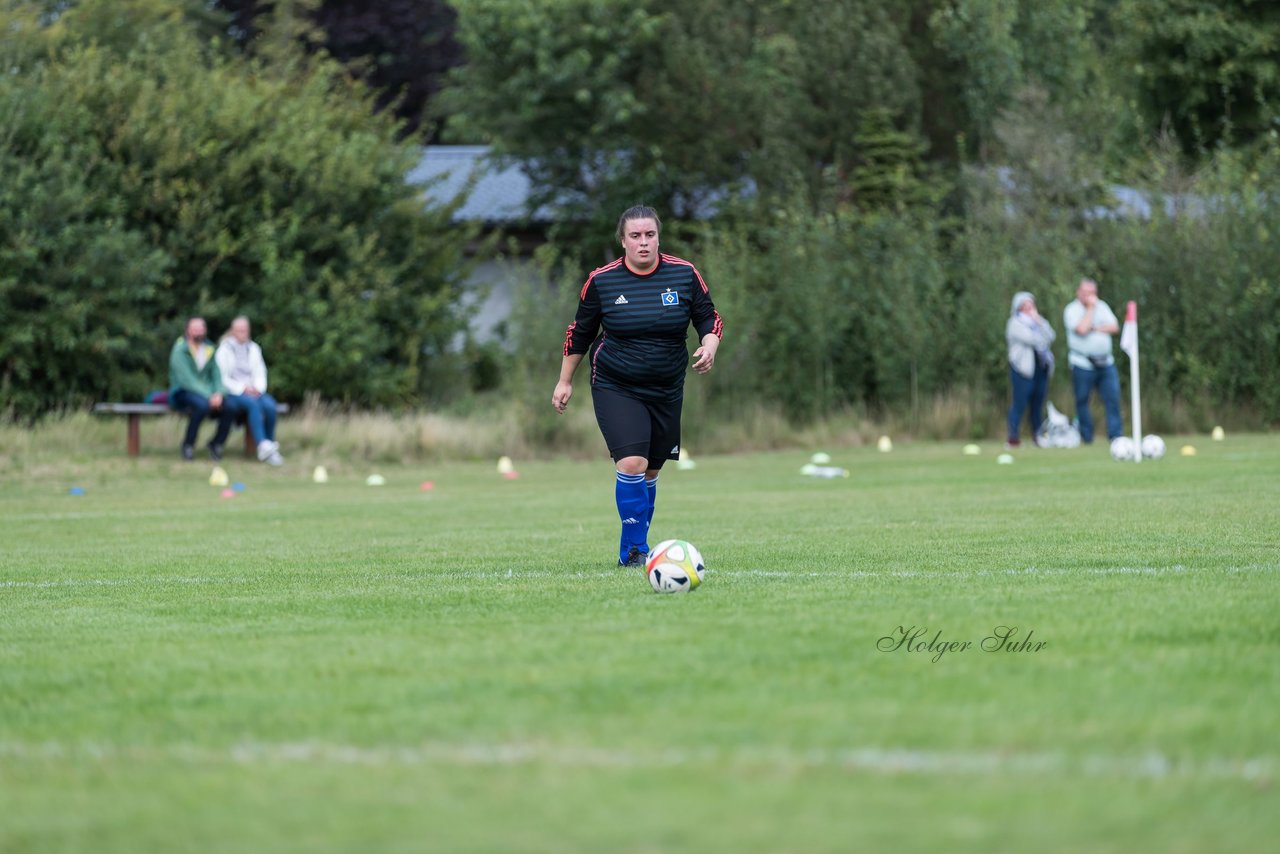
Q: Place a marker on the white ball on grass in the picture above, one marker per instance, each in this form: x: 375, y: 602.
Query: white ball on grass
x: 675, y: 566
x: 1123, y: 449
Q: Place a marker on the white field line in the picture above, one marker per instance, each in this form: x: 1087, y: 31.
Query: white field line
x: 428, y: 575
x: 879, y: 760
x: 1030, y: 571
x: 118, y: 582
x: 158, y: 512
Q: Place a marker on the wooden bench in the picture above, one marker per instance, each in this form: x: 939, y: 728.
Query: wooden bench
x: 135, y: 411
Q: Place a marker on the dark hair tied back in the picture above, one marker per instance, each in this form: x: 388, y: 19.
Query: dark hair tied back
x: 637, y: 212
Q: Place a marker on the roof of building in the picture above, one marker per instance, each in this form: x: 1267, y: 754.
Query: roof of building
x: 500, y: 193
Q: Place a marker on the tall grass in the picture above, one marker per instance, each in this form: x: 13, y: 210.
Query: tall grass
x: 312, y: 434
x: 316, y: 433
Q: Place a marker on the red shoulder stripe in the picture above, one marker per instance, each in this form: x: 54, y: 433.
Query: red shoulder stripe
x: 672, y: 259
x: 592, y: 275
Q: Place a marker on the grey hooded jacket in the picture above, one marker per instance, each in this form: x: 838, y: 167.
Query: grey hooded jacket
x: 1024, y: 339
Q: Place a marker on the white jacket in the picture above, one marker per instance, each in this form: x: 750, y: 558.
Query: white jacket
x: 231, y: 381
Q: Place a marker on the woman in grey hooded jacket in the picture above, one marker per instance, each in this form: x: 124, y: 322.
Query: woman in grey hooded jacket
x: 1030, y: 363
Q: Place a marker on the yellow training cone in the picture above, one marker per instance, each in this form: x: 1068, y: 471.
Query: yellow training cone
x: 505, y: 466
x: 685, y: 462
x: 1219, y: 434
x: 320, y: 475
x: 1188, y: 451
x: 218, y: 477
x: 885, y: 444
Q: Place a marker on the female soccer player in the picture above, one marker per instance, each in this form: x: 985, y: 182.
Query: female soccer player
x: 644, y: 303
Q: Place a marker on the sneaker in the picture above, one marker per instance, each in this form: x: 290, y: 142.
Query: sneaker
x: 215, y: 451
x: 266, y: 448
x: 635, y: 558
x: 188, y: 452
x: 275, y: 459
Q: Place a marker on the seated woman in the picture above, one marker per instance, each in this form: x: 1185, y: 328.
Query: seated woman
x: 244, y: 381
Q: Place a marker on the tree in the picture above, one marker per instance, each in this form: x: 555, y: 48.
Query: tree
x: 163, y: 177
x: 890, y: 172
x: 606, y: 103
x: 400, y: 48
x: 979, y: 35
x: 1001, y: 48
x: 1211, y: 70
x: 558, y: 87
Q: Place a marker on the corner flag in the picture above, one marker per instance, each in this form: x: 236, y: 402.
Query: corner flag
x: 1129, y: 334
x: 1129, y: 344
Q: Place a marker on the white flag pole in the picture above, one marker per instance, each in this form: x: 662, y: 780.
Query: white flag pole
x: 1129, y: 343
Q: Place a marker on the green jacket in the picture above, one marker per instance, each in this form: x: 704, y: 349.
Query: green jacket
x: 184, y: 374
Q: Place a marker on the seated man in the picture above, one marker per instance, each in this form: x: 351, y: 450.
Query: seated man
x: 244, y: 379
x: 195, y: 386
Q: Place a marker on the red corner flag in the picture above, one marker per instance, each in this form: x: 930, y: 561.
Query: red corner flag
x: 1129, y: 335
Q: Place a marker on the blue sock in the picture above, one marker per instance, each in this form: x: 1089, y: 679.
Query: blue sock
x: 652, y: 486
x: 633, y: 510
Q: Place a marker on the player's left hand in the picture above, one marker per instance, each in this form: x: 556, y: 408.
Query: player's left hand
x: 705, y: 356
x: 560, y: 397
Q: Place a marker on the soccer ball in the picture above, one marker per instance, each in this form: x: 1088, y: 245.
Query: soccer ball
x: 674, y: 566
x: 1152, y: 447
x: 1123, y: 448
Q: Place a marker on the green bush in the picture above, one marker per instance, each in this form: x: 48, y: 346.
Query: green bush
x: 887, y: 313
x: 828, y: 311
x: 1203, y: 268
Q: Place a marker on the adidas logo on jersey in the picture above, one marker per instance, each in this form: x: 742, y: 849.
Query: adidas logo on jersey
x: 621, y: 300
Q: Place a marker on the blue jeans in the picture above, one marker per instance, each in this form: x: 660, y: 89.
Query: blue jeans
x: 259, y: 414
x: 1107, y: 382
x: 1028, y: 392
x: 197, y: 406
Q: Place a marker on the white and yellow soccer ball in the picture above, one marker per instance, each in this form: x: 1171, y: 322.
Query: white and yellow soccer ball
x: 674, y: 566
x: 1152, y: 446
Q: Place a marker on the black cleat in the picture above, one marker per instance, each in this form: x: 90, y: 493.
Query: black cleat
x: 215, y: 451
x: 188, y: 452
x: 635, y: 558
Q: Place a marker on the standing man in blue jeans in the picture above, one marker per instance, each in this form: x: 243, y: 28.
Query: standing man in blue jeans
x: 195, y: 387
x: 1090, y: 324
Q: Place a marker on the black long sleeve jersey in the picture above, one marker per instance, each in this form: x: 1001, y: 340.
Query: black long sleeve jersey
x: 645, y: 319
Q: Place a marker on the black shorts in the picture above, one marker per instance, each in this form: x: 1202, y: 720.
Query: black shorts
x: 638, y: 428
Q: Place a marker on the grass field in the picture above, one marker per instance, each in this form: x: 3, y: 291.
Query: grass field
x: 339, y: 667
